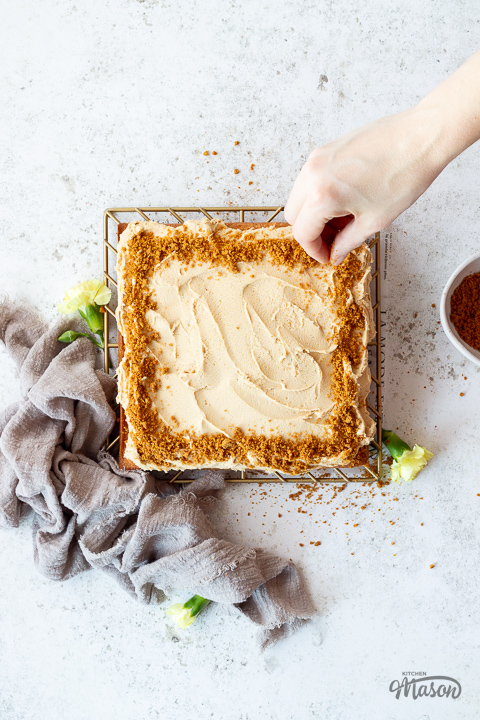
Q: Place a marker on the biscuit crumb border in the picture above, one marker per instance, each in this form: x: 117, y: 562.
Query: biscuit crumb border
x: 155, y: 443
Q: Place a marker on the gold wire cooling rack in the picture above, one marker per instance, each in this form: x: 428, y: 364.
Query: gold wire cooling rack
x: 113, y: 217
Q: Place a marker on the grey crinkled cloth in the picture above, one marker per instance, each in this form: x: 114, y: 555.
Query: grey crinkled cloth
x: 89, y: 513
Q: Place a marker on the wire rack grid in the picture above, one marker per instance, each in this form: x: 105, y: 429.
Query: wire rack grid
x: 113, y: 220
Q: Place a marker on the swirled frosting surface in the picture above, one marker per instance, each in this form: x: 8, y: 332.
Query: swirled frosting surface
x: 244, y: 350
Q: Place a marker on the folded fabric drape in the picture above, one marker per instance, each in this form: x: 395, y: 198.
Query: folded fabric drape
x: 88, y: 513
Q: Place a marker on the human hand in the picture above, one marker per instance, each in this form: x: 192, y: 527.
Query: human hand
x: 361, y: 182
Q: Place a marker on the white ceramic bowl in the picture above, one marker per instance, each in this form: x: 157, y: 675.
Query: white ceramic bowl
x: 472, y: 265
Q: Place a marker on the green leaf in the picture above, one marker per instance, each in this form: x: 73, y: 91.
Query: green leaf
x: 196, y: 604
x: 69, y: 336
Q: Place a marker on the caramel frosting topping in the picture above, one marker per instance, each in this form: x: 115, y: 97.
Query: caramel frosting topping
x: 240, y: 350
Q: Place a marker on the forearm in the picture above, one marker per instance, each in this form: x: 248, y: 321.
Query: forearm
x: 372, y: 174
x: 452, y: 110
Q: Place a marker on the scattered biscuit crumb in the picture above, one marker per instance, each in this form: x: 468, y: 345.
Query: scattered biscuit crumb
x: 252, y: 166
x: 432, y: 566
x: 236, y: 171
x: 206, y: 152
x: 214, y: 152
x: 462, y: 394
x: 237, y: 142
x: 301, y: 544
x: 251, y: 182
x: 433, y: 305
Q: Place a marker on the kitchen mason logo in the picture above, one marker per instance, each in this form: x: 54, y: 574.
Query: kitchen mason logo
x: 418, y: 684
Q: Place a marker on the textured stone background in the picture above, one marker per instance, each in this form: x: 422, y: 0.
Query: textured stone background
x: 114, y: 103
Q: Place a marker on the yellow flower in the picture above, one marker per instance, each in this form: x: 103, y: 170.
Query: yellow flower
x: 88, y: 292
x: 181, y: 615
x: 185, y: 614
x: 410, y: 463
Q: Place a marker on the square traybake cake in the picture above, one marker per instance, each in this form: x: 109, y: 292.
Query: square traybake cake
x: 240, y: 351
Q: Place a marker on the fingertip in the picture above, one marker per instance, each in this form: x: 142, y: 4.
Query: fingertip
x: 351, y: 237
x: 318, y: 251
x: 323, y: 254
x: 312, y: 244
x: 338, y: 259
x: 337, y: 254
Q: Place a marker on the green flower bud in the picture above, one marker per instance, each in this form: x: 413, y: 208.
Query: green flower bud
x: 91, y: 313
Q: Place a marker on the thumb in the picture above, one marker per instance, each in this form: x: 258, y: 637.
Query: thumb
x: 352, y: 236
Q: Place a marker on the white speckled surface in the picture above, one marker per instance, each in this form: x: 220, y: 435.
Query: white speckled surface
x: 114, y: 103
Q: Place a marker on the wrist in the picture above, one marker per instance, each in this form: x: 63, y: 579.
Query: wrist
x: 441, y: 141
x: 453, y: 107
